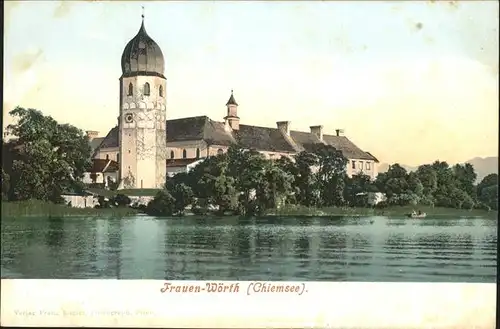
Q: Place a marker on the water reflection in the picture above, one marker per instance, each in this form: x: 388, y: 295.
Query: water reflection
x: 55, y: 233
x: 230, y: 248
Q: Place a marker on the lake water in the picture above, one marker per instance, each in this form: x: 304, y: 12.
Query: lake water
x: 231, y: 248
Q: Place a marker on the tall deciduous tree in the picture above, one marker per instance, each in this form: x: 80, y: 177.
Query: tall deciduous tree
x: 50, y: 159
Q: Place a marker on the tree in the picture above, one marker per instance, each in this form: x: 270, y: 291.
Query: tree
x: 274, y: 188
x: 250, y: 180
x: 212, y: 185
x: 428, y: 178
x: 465, y: 176
x: 183, y: 196
x: 487, y: 191
x: 395, y: 185
x: 356, y: 190
x: 306, y: 182
x: 50, y: 157
x: 289, y: 168
x: 330, y: 175
x: 5, y: 185
x: 121, y: 200
x: 163, y: 204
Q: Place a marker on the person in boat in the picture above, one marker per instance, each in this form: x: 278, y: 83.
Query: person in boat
x: 419, y: 212
x: 413, y: 213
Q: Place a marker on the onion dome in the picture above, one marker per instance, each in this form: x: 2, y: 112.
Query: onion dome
x: 142, y: 56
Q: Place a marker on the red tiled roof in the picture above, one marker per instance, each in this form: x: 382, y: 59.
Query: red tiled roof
x: 103, y: 165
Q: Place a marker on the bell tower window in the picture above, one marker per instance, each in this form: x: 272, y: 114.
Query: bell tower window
x: 172, y: 155
x: 160, y: 91
x: 130, y: 89
x: 184, y: 154
x: 146, y: 89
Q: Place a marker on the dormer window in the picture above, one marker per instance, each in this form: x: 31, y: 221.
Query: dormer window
x: 160, y: 91
x: 146, y: 89
x: 130, y: 89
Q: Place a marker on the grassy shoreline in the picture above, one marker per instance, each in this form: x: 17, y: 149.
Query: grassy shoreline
x: 390, y: 211
x: 39, y: 208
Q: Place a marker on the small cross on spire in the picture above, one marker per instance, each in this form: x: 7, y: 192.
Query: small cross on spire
x: 142, y: 13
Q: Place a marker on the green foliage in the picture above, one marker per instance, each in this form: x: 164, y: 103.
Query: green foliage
x: 121, y: 200
x: 487, y: 192
x: 243, y: 181
x: 356, y: 190
x: 438, y: 185
x: 5, y: 185
x: 49, y: 158
x: 45, y: 159
x: 163, y: 204
x: 183, y: 196
x: 16, y: 209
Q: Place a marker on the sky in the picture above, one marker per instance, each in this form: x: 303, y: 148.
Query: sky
x: 410, y: 82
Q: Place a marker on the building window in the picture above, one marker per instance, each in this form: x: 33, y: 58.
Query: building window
x: 353, y: 164
x: 361, y: 165
x: 130, y: 89
x: 184, y: 154
x: 118, y: 157
x: 146, y: 89
x: 368, y: 166
x: 197, y: 153
x: 107, y: 156
x: 160, y: 91
x: 220, y: 151
x: 172, y: 155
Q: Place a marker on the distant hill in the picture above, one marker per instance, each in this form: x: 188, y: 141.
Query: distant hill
x: 483, y: 166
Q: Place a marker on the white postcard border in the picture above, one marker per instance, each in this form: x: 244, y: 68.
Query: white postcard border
x: 244, y: 304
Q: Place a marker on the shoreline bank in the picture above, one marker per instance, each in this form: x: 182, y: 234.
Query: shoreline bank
x: 35, y: 208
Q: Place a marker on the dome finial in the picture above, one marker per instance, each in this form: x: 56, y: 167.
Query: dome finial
x: 142, y: 13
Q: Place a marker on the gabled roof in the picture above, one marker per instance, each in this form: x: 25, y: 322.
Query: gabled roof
x: 373, y: 158
x: 348, y: 148
x: 198, y: 128
x: 247, y: 136
x: 262, y: 139
x: 103, y: 165
x: 94, y: 143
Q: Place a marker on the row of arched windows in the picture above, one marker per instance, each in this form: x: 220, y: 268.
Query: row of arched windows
x: 146, y: 90
x: 184, y: 153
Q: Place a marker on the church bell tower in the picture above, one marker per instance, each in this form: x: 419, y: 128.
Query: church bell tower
x: 142, y: 120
